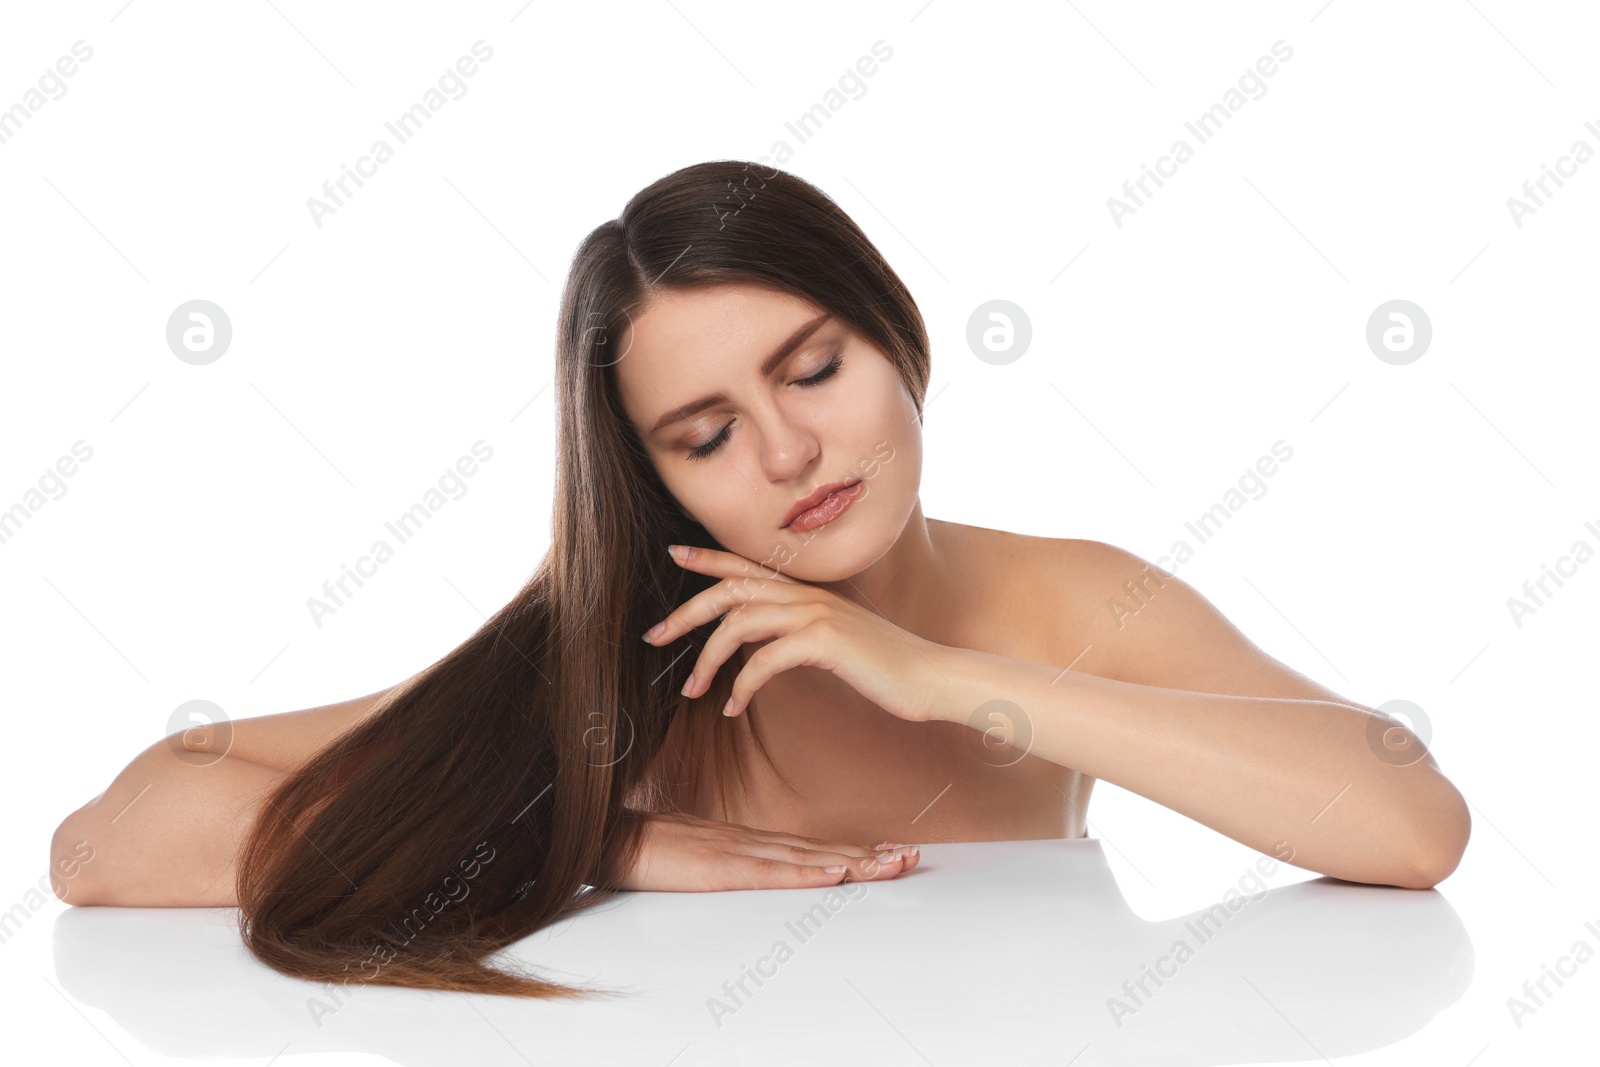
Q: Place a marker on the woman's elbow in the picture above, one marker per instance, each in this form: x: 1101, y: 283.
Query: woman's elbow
x: 71, y: 856
x: 1444, y: 841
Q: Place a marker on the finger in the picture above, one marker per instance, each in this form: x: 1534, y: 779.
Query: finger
x: 796, y: 649
x: 876, y: 869
x: 801, y: 862
x: 803, y: 851
x: 799, y: 844
x: 765, y: 872
x: 865, y: 863
x: 794, y: 847
x: 723, y: 564
x: 818, y: 844
x: 747, y: 625
x: 913, y: 852
x: 708, y: 604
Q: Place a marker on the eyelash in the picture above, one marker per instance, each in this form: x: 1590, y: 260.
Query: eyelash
x: 828, y: 370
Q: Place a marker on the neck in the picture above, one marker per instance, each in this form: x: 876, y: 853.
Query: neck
x: 902, y: 585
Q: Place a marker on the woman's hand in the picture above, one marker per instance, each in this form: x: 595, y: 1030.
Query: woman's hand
x: 686, y: 854
x: 805, y: 625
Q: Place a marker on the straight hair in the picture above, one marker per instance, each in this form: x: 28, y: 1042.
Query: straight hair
x: 497, y: 790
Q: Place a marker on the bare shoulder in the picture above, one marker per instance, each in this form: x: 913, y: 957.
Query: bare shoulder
x: 1015, y: 550
x: 1104, y: 610
x: 1040, y: 591
x: 1069, y: 571
x: 1154, y: 628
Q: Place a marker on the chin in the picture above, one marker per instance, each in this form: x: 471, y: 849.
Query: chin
x: 840, y: 550
x: 819, y: 571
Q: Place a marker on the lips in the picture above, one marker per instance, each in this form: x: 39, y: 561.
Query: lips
x: 807, y: 503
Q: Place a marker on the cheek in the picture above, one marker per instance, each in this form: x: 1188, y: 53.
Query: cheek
x: 703, y: 498
x: 893, y: 437
x: 893, y: 411
x: 680, y: 489
x: 853, y: 422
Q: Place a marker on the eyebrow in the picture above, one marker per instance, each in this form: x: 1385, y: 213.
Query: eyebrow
x: 768, y: 365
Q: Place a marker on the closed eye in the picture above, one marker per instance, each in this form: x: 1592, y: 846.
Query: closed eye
x: 828, y: 370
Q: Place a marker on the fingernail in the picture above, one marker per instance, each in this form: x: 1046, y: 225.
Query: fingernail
x: 914, y: 850
x: 889, y: 856
x: 677, y: 552
x: 886, y: 844
x: 655, y: 631
x: 834, y: 870
x: 687, y: 685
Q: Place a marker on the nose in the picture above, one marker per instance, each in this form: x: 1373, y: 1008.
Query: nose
x: 787, y: 444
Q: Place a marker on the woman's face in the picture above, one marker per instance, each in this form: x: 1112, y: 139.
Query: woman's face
x: 768, y: 438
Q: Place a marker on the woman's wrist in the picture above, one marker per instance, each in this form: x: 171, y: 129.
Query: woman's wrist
x: 973, y: 679
x: 610, y: 872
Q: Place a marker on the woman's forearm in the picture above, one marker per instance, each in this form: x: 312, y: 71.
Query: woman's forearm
x: 1273, y: 774
x: 164, y: 834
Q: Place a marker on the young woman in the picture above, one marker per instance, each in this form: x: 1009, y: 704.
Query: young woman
x: 740, y: 373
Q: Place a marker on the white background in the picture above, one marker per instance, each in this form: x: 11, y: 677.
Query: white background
x: 1168, y: 354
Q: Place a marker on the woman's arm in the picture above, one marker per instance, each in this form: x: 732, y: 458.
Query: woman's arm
x: 166, y: 832
x: 1184, y: 709
x: 1195, y: 717
x: 1290, y: 778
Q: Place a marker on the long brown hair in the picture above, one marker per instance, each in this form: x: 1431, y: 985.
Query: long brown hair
x: 490, y: 794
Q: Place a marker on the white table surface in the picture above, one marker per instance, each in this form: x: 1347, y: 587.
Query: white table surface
x: 988, y: 952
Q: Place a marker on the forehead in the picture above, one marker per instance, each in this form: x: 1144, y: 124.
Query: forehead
x: 725, y: 319
x: 702, y: 336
